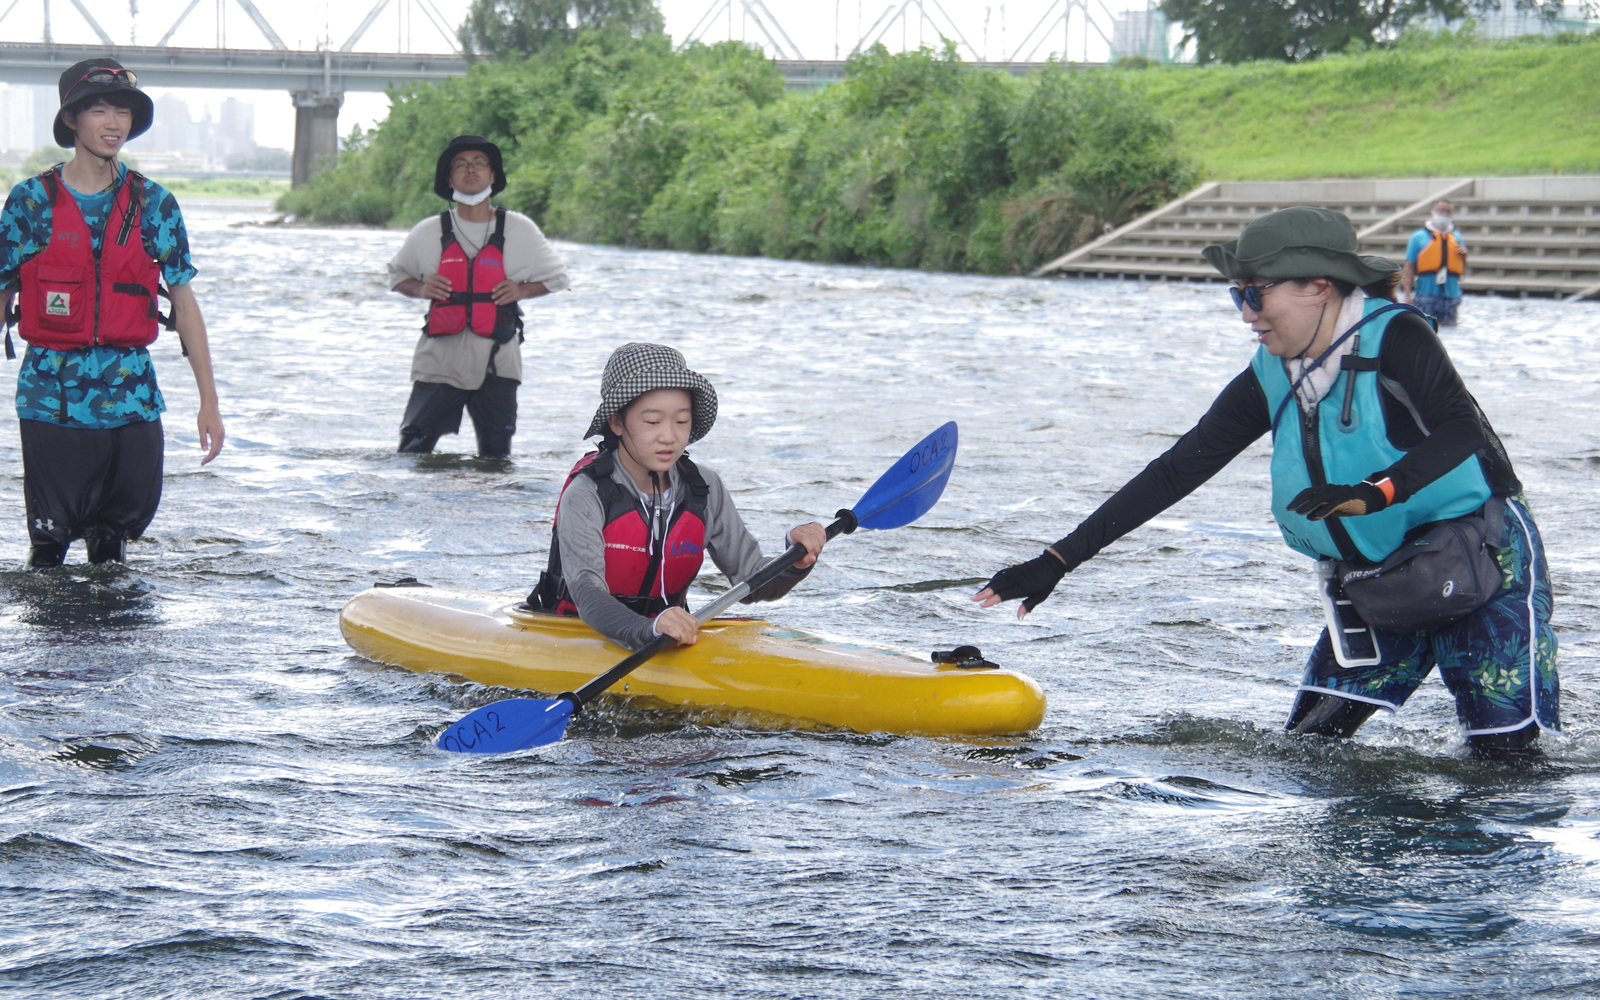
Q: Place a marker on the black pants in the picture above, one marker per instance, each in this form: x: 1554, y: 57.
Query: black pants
x: 102, y: 486
x: 435, y: 409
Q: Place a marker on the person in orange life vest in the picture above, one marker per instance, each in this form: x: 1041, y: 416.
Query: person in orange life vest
x: 473, y: 263
x: 87, y: 244
x: 1435, y: 260
x: 636, y: 518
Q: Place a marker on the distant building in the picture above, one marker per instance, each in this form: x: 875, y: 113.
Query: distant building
x: 16, y: 119
x: 176, y: 143
x: 235, y: 134
x: 166, y: 161
x: 46, y: 102
x: 1141, y: 33
x: 1509, y: 22
x: 172, y: 129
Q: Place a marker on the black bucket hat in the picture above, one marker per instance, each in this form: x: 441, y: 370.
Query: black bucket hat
x: 461, y: 144
x: 635, y: 369
x: 1299, y: 242
x: 92, y: 78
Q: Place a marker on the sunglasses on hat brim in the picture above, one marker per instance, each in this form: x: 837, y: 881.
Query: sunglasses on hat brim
x: 106, y: 74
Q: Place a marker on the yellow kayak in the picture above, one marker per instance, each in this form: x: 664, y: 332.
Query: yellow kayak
x: 740, y: 665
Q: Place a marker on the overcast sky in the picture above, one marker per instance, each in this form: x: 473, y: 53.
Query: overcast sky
x: 817, y: 28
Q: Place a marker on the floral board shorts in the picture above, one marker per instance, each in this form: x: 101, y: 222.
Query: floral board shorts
x: 1441, y: 308
x: 1499, y: 662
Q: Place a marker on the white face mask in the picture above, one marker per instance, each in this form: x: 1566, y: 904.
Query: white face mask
x: 1441, y: 223
x: 472, y: 199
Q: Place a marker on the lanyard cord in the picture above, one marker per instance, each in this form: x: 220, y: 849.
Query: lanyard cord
x: 658, y: 531
x: 1358, y: 324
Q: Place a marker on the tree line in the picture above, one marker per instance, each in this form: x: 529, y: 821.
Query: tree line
x: 914, y: 160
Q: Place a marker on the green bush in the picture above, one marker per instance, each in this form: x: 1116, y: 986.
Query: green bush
x: 915, y: 160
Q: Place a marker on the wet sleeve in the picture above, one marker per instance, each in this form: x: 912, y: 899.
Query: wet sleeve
x: 583, y: 565
x: 24, y: 230
x: 1413, y: 357
x: 166, y: 239
x: 530, y: 257
x: 1237, y: 418
x: 734, y: 550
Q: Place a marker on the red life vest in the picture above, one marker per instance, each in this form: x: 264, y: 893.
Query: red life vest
x: 646, y: 574
x: 472, y: 280
x: 76, y: 296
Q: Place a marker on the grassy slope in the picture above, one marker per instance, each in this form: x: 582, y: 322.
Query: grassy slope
x: 1524, y: 108
x: 224, y: 187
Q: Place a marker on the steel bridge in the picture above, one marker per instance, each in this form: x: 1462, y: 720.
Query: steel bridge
x: 316, y: 80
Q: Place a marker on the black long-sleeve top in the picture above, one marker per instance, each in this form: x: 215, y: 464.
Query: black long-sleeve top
x: 1410, y: 358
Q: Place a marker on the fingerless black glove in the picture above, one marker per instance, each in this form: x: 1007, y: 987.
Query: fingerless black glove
x: 1338, y: 501
x: 1033, y: 580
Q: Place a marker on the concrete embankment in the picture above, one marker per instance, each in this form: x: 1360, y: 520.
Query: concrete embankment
x: 1526, y: 235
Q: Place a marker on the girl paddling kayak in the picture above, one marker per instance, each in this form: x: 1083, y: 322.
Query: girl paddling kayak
x: 1384, y: 470
x: 636, y: 517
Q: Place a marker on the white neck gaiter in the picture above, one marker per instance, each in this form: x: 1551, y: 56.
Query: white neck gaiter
x: 1321, y: 379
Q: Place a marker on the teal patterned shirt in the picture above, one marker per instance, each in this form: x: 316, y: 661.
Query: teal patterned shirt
x: 90, y: 387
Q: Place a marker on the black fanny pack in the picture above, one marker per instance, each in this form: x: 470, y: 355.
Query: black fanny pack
x: 1433, y: 580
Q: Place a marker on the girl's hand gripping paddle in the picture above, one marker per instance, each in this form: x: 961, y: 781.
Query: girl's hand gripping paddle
x: 906, y: 492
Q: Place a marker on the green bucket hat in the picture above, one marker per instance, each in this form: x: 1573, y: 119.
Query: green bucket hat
x: 1299, y: 242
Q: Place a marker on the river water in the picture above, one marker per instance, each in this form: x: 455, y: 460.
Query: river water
x: 203, y: 792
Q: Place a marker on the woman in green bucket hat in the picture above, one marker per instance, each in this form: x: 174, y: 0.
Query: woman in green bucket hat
x: 1376, y: 445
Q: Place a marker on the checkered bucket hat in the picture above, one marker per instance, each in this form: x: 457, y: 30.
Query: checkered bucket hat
x: 635, y: 369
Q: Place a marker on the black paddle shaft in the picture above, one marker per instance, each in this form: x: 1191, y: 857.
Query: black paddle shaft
x: 845, y: 524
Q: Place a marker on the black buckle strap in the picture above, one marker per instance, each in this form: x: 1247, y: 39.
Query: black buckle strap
x: 135, y: 195
x: 13, y: 316
x: 497, y: 239
x: 964, y: 658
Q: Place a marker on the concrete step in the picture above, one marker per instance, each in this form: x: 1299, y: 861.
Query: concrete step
x: 1498, y: 241
x: 1516, y: 284
x: 1538, y: 235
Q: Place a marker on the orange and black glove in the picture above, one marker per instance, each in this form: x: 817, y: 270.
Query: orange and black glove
x: 1321, y: 502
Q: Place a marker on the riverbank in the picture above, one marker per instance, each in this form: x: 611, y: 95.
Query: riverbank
x: 913, y: 161
x: 917, y: 160
x: 1435, y: 107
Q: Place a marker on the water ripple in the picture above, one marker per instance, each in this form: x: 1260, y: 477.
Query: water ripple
x: 204, y: 793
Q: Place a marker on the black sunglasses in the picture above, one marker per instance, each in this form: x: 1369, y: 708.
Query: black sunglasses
x: 106, y: 74
x: 1250, y: 295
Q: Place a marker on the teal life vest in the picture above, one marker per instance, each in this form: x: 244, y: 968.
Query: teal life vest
x: 1331, y: 445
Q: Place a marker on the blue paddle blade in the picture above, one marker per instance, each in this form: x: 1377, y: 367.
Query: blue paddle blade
x: 913, y: 485
x: 505, y: 726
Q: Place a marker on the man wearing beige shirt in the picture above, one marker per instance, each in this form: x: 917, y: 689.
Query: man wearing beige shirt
x: 470, y: 353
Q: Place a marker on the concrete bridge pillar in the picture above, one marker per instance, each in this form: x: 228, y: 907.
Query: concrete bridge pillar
x: 316, y: 133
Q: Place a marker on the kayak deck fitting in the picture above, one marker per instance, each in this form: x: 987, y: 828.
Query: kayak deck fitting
x: 738, y: 665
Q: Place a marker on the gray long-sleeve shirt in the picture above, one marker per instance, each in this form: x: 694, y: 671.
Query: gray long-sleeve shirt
x: 583, y: 555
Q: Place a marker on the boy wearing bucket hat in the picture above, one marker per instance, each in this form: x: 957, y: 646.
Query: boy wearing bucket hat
x: 1378, y: 452
x: 636, y: 518
x: 473, y: 263
x: 85, y: 247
